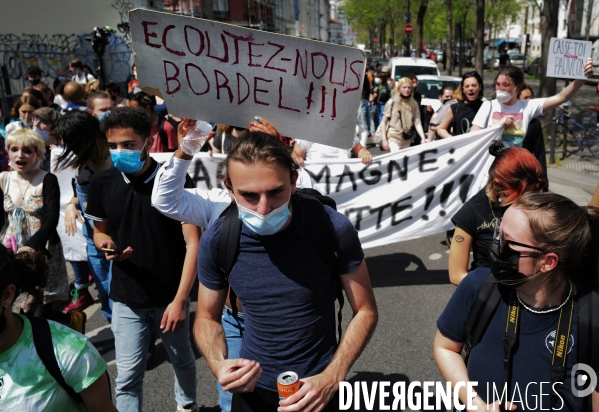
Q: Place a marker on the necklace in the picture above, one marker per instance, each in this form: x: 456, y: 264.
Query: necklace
x: 26, y: 189
x: 541, y: 312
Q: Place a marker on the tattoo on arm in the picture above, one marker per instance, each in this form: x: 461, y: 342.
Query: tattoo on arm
x: 458, y: 238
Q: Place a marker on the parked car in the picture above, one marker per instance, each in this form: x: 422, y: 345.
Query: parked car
x: 487, y: 56
x: 430, y: 88
x: 534, y: 67
x: 517, y: 60
x: 402, y: 66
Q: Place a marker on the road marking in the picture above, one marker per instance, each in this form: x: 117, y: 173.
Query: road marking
x: 435, y: 256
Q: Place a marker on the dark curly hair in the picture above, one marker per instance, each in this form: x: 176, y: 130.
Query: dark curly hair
x: 26, y: 270
x: 128, y: 117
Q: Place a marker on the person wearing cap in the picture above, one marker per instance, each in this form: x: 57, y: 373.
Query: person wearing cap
x: 44, y: 120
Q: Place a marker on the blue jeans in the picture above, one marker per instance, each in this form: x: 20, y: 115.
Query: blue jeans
x: 80, y: 273
x: 233, y: 331
x: 101, y: 268
x: 132, y: 331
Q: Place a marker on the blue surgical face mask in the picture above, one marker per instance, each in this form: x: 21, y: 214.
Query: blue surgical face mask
x: 30, y: 124
x: 127, y: 161
x: 60, y: 78
x: 102, y: 115
x: 265, y: 225
x: 44, y: 134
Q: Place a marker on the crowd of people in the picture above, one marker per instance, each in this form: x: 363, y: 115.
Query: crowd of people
x: 263, y: 307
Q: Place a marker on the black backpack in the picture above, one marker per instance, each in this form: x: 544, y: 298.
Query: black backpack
x: 320, y: 231
x: 487, y: 302
x: 42, y: 340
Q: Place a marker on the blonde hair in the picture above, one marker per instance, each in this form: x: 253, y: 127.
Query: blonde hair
x: 92, y: 86
x: 29, y: 138
x: 406, y: 106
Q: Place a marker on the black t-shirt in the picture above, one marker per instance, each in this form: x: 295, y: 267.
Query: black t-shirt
x: 463, y: 115
x: 151, y: 276
x: 478, y: 220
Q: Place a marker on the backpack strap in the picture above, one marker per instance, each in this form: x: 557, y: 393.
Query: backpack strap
x: 588, y: 333
x: 162, y: 132
x: 481, y: 313
x: 42, y: 339
x: 228, y: 248
x: 322, y: 235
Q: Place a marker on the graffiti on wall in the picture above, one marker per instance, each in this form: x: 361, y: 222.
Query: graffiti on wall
x: 124, y: 7
x: 53, y: 52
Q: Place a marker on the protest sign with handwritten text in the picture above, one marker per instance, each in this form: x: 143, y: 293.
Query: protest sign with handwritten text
x: 567, y: 58
x: 228, y: 74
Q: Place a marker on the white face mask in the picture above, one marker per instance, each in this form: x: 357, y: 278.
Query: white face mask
x: 503, y: 96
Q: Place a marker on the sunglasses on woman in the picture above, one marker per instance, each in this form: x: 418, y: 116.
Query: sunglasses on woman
x: 503, y: 242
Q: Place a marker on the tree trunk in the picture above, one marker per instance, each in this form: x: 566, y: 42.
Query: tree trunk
x: 549, y: 22
x: 589, y: 18
x: 480, y: 35
x: 420, y: 25
x: 449, y: 57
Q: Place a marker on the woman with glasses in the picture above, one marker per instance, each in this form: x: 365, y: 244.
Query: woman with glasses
x: 544, y: 262
x: 469, y: 96
x: 515, y: 115
x: 513, y: 172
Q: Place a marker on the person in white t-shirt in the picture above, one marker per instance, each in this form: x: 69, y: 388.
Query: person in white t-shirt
x: 79, y: 75
x: 516, y: 114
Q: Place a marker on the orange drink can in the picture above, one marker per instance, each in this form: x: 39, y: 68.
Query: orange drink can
x: 287, y: 383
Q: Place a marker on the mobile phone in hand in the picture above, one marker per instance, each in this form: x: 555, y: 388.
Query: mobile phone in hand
x: 111, y: 251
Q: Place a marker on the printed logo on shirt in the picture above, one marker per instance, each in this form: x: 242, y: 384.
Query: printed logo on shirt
x: 514, y: 133
x: 487, y: 225
x: 550, y: 341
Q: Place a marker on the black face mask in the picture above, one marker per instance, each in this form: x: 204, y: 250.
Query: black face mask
x: 2, y: 320
x: 35, y: 81
x: 504, y: 266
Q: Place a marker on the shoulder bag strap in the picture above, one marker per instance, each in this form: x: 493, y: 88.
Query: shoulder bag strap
x: 42, y: 339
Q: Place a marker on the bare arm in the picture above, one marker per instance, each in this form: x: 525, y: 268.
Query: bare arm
x: 102, y: 239
x: 595, y: 199
x: 298, y: 155
x: 175, y: 313
x: 362, y: 153
x: 595, y: 401
x: 459, y: 255
x: 317, y: 391
x: 568, y: 92
x: 418, y: 125
x: 235, y: 375
x: 97, y: 396
x: 443, y: 128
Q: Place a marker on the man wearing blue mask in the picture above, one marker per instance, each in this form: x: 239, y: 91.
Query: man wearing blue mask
x: 99, y: 104
x: 154, y: 261
x: 286, y: 287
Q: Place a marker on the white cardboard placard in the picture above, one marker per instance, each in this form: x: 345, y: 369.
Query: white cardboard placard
x: 567, y: 58
x: 228, y: 74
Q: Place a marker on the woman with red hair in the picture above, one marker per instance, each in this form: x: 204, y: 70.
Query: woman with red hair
x: 513, y: 172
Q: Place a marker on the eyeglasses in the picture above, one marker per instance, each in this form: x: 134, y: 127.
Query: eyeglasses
x: 503, y: 242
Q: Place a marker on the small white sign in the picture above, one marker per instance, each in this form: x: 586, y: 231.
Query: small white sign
x: 228, y: 74
x: 567, y: 58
